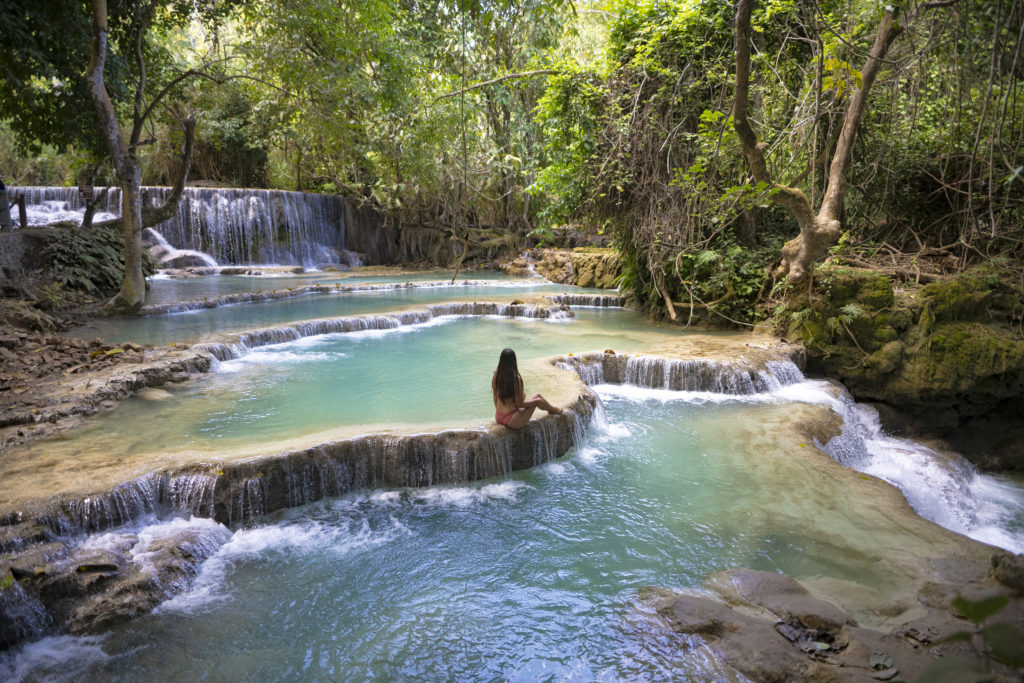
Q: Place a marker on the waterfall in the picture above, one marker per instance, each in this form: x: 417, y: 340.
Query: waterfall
x: 25, y: 617
x: 238, y: 345
x: 942, y: 487
x: 233, y: 225
x: 696, y: 374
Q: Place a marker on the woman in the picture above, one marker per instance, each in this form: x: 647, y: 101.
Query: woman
x: 511, y: 407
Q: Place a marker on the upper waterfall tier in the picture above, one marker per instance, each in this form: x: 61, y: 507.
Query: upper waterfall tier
x: 234, y: 226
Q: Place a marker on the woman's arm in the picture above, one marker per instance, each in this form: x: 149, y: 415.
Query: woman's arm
x: 520, y: 395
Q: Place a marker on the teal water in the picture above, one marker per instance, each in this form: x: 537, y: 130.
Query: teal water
x: 198, y: 325
x: 429, y: 374
x: 536, y: 576
x: 167, y: 290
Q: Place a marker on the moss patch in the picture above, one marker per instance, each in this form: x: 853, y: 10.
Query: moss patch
x: 953, y: 344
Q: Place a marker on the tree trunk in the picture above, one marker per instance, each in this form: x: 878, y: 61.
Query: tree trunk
x: 166, y: 211
x: 126, y: 166
x: 818, y: 231
x: 133, y: 288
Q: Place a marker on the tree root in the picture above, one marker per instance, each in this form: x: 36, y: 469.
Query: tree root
x: 904, y: 274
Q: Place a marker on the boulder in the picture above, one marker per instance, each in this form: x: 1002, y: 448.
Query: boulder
x: 1008, y: 570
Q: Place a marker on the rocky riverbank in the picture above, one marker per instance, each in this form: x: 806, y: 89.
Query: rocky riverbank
x: 770, y: 627
x: 48, y: 382
x: 942, y: 359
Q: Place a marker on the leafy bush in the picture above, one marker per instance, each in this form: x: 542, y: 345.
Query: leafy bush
x: 90, y: 261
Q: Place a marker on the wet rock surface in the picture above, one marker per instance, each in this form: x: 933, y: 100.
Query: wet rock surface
x: 47, y: 380
x: 769, y: 627
x: 75, y: 586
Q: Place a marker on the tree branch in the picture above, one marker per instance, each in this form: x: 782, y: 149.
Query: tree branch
x: 834, y: 195
x: 495, y: 81
x: 101, y: 99
x: 140, y: 89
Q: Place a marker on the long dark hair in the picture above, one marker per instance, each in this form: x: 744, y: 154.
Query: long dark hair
x: 508, y: 373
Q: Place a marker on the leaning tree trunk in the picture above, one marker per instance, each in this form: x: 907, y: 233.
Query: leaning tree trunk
x: 818, y: 231
x: 133, y: 288
x: 126, y: 166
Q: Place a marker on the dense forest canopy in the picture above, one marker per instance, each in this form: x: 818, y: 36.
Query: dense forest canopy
x: 524, y: 116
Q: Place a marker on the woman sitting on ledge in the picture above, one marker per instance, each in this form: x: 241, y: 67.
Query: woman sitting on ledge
x: 511, y: 407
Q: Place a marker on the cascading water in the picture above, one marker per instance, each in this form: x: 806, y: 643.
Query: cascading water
x: 942, y: 487
x: 234, y: 226
x: 682, y: 477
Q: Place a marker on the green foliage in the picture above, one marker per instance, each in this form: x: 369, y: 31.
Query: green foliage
x: 569, y: 115
x: 850, y: 312
x: 88, y: 261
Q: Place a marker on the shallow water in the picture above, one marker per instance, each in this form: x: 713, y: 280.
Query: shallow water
x: 166, y: 290
x: 198, y: 325
x: 533, y: 576
x: 418, y: 376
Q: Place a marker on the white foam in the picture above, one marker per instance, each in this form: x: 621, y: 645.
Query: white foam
x: 554, y: 469
x: 642, y: 394
x: 245, y: 545
x: 210, y: 534
x: 463, y: 496
x: 386, y: 497
x: 266, y: 356
x: 57, y: 658
x: 589, y: 455
x: 404, y: 329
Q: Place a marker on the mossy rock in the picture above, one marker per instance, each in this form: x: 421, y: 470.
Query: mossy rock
x: 809, y: 330
x: 885, y: 360
x: 972, y: 364
x: 869, y: 288
x: 899, y: 318
x: 968, y: 297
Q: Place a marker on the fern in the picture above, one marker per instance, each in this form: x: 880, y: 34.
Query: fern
x: 850, y: 312
x: 708, y: 257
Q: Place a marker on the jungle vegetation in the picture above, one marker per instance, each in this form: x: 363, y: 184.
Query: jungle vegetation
x: 629, y: 120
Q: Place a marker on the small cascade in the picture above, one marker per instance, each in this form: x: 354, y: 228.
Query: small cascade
x: 588, y: 300
x: 47, y: 205
x: 697, y: 374
x: 24, y: 616
x: 169, y: 257
x: 242, y: 343
x: 176, y: 494
x: 191, y: 494
x: 129, y: 501
x: 230, y: 225
x: 250, y: 490
x: 942, y: 487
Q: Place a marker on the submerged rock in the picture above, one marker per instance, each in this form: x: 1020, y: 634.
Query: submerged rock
x: 1009, y: 570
